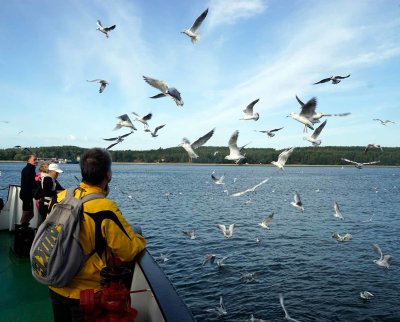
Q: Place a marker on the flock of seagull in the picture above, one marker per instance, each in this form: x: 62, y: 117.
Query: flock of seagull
x: 308, y: 116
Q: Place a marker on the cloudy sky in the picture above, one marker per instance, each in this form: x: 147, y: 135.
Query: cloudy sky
x: 249, y: 49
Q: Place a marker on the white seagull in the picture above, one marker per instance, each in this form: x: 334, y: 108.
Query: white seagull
x: 191, y: 32
x: 384, y: 260
x: 287, y: 316
x: 218, y: 181
x: 384, y: 122
x: 154, y: 134
x: 270, y: 133
x: 143, y: 119
x: 306, y: 113
x: 359, y: 165
x: 340, y: 238
x: 117, y: 139
x: 191, y: 234
x: 227, y: 232
x: 165, y: 90
x: 234, y: 151
x: 248, y: 112
x: 377, y: 146
x: 220, y: 310
x: 338, y: 213
x: 282, y: 158
x: 199, y: 142
x: 297, y: 202
x: 313, y: 137
x: 252, y: 189
x: 124, y: 120
x: 104, y: 30
x: 266, y: 221
x: 365, y: 295
x: 334, y: 79
x: 103, y: 83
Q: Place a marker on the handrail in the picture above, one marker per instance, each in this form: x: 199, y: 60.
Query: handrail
x: 170, y: 303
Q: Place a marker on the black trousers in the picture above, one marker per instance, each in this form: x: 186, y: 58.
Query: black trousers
x: 65, y: 309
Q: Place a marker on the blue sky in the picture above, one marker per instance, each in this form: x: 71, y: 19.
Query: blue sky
x: 249, y: 49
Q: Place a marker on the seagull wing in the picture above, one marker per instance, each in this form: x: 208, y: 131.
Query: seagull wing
x: 377, y: 250
x: 111, y: 139
x: 99, y: 24
x: 158, y: 95
x: 347, y: 160
x: 110, y: 146
x: 233, y: 142
x: 110, y: 28
x: 125, y: 135
x: 275, y: 130
x: 339, y: 114
x: 323, y: 81
x: 285, y: 155
x: 230, y: 230
x: 222, y: 228
x: 160, y: 85
x: 94, y: 80
x: 147, y: 117
x: 300, y: 102
x: 268, y: 219
x: 318, y: 130
x: 259, y: 184
x: 373, y: 162
x: 249, y: 109
x: 214, y: 178
x: 199, y: 20
x: 202, y: 140
x: 342, y: 77
x: 309, y: 108
x: 158, y: 128
x: 297, y: 199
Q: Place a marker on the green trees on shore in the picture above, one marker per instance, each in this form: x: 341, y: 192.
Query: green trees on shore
x: 327, y: 155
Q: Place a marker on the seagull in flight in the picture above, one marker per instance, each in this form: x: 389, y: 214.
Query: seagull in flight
x: 234, y: 151
x: 377, y: 146
x: 306, y: 113
x: 384, y: 122
x: 218, y: 181
x: 338, y: 213
x: 359, y: 165
x: 117, y: 139
x: 287, y: 316
x: 210, y: 258
x: 191, y: 32
x: 221, y: 262
x: 297, y: 202
x: 334, y: 79
x: 104, y: 30
x: 282, y: 158
x: 313, y: 137
x: 384, y: 260
x: 248, y: 112
x: 124, y: 120
x: 199, y: 142
x: 220, y: 310
x: 227, y: 232
x: 165, y: 90
x: 143, y: 119
x: 103, y: 83
x: 340, y: 238
x: 270, y: 133
x: 191, y: 234
x: 365, y: 295
x: 249, y: 277
x: 266, y: 221
x: 154, y: 134
x: 253, y: 189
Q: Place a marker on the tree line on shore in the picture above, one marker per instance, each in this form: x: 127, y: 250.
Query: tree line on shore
x: 327, y: 155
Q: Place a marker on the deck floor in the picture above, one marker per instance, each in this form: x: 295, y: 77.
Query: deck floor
x: 22, y: 297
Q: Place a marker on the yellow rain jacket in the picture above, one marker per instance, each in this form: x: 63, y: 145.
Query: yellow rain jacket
x: 101, y: 217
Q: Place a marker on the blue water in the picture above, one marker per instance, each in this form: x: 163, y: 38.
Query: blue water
x: 320, y: 278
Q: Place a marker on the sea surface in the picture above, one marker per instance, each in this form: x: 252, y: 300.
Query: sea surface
x: 320, y: 278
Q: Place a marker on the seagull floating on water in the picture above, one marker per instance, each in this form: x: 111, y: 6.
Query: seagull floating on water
x: 104, y: 30
x: 199, y: 142
x: 124, y: 120
x: 227, y: 232
x: 219, y: 310
x: 191, y: 234
x: 384, y: 122
x: 165, y: 90
x: 234, y: 151
x: 249, y: 277
x: 118, y: 139
x: 253, y: 189
x: 384, y: 260
x: 103, y: 83
x: 365, y: 295
x: 313, y: 137
x: 282, y: 158
x: 377, y: 146
x: 191, y: 32
x: 297, y: 202
x: 266, y: 221
x: 270, y: 133
x: 359, y: 165
x: 248, y: 112
x: 338, y: 213
x: 287, y: 316
x: 143, y: 119
x: 340, y: 238
x: 334, y: 79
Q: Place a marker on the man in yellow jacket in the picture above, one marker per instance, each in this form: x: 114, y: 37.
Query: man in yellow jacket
x: 103, y: 228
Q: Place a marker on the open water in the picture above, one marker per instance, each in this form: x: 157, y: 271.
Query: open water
x: 320, y: 278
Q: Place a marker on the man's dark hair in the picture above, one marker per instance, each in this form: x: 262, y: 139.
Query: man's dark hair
x: 95, y: 164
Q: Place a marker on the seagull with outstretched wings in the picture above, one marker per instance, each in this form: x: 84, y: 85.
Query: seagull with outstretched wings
x: 104, y: 30
x: 191, y: 32
x: 103, y: 83
x: 334, y: 79
x: 165, y: 90
x: 117, y: 139
x: 199, y: 142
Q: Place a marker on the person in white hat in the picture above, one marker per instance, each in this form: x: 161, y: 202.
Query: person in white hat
x: 50, y: 187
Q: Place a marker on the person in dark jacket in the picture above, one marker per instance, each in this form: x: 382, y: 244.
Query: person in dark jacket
x: 28, y: 186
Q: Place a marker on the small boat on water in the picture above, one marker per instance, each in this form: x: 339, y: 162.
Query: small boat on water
x: 152, y: 295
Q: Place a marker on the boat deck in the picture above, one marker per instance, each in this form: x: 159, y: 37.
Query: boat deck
x: 22, y: 297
